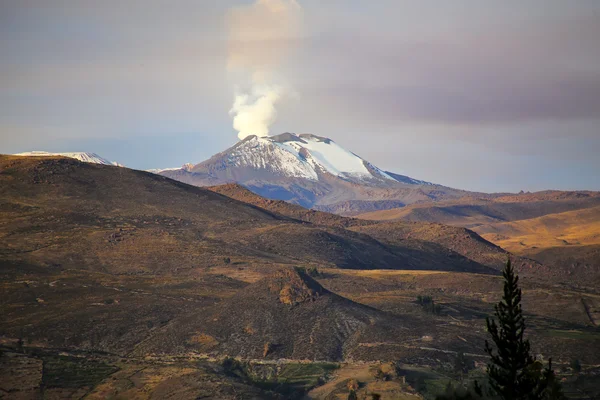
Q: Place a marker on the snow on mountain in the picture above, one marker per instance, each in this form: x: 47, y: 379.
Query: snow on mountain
x: 296, y: 156
x: 91, y: 158
x: 312, y: 171
x: 327, y: 155
x: 266, y: 154
x: 159, y: 170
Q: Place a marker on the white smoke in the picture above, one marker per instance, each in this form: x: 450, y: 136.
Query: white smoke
x: 259, y: 37
x: 254, y: 113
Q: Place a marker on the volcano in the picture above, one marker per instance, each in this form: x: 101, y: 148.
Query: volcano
x: 312, y: 171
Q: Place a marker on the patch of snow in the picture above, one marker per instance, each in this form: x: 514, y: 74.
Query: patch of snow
x: 333, y: 158
x: 262, y: 153
x: 381, y: 172
x: 325, y: 155
x: 159, y: 170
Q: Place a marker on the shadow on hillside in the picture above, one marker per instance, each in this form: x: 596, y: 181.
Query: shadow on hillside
x: 429, y: 256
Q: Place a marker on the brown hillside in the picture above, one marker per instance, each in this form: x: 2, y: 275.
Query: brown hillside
x: 567, y: 241
x: 470, y: 212
x: 557, y: 229
x: 61, y: 213
x: 238, y: 192
x: 101, y: 265
x: 287, y: 315
x: 435, y: 245
x: 577, y: 263
x: 579, y: 227
x: 547, y: 195
x: 456, y: 241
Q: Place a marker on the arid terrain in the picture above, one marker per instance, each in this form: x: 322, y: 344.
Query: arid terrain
x: 560, y: 230
x: 123, y: 284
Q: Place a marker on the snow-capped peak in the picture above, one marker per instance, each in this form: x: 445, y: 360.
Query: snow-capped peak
x: 91, y: 158
x: 288, y: 155
x: 262, y: 153
x: 305, y: 156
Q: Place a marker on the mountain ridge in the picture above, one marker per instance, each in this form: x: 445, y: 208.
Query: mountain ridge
x: 416, y: 240
x: 82, y: 156
x: 119, y: 220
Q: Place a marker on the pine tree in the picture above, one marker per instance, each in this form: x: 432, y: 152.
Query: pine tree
x: 513, y: 373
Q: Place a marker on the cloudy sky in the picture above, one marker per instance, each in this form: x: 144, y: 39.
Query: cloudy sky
x: 492, y: 96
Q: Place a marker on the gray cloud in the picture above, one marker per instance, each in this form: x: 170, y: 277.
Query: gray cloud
x: 487, y: 103
x: 480, y: 76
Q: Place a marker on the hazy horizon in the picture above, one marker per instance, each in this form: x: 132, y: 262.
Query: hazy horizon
x: 480, y: 97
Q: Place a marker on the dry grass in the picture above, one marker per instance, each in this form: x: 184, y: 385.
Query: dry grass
x: 471, y: 212
x: 66, y: 214
x: 364, y: 375
x: 579, y: 227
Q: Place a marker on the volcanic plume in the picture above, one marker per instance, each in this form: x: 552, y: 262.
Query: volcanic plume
x: 258, y: 36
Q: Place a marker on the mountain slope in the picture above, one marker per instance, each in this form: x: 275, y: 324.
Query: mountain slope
x: 561, y: 230
x: 311, y: 171
x: 92, y: 158
x: 238, y: 192
x: 577, y: 227
x: 580, y: 263
x: 65, y: 213
x: 440, y: 245
x: 445, y: 246
x: 61, y: 213
x: 455, y: 241
x: 474, y: 211
x: 298, y: 319
x: 566, y: 240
